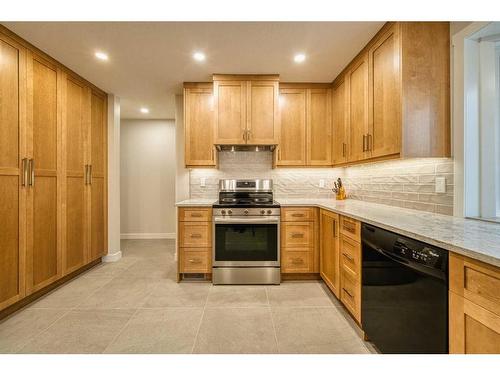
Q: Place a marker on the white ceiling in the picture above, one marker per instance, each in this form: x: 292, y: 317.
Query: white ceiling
x: 148, y: 61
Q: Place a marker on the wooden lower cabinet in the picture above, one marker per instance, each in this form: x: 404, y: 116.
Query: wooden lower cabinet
x: 329, y: 265
x: 299, y: 240
x: 194, y: 236
x: 474, y: 306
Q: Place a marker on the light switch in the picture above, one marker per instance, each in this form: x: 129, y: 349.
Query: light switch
x: 321, y: 183
x: 203, y: 182
x: 440, y: 185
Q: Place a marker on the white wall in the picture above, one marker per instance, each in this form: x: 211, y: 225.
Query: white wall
x: 148, y: 168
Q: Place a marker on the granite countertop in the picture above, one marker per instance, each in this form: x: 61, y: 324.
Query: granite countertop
x: 476, y: 239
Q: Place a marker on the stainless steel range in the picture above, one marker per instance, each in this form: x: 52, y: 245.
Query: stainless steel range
x: 246, y: 233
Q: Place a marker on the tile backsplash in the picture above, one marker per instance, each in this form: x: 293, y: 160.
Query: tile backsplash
x: 404, y: 183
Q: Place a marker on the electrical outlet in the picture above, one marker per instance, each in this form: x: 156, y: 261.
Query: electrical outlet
x: 321, y: 183
x: 203, y: 182
x: 440, y: 186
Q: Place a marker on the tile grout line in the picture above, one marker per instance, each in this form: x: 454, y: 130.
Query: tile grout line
x: 44, y: 330
x: 120, y: 331
x: 272, y: 320
x: 201, y: 320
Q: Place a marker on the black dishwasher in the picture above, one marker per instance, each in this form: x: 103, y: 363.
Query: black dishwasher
x: 404, y: 293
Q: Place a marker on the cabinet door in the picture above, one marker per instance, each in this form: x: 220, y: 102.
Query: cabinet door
x: 339, y: 126
x: 97, y: 178
x: 262, y: 113
x: 76, y: 113
x: 198, y: 127
x: 473, y: 329
x: 230, y: 112
x: 44, y: 195
x: 12, y: 191
x: 358, y: 110
x: 292, y: 146
x: 329, y: 250
x: 385, y: 96
x: 319, y: 127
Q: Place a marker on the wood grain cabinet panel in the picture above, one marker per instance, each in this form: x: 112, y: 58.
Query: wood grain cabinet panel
x: 230, y: 99
x: 199, y: 125
x: 298, y: 214
x: 195, y: 214
x: 297, y: 234
x: 329, y: 250
x: 97, y: 178
x: 319, y: 127
x: 384, y: 135
x: 292, y: 147
x: 358, y: 109
x: 194, y: 234
x: 12, y: 191
x: 195, y: 260
x: 297, y: 260
x: 262, y: 113
x: 340, y: 130
x: 44, y: 203
x: 76, y: 122
x: 350, y: 228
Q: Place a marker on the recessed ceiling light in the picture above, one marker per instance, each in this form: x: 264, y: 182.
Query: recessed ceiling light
x: 144, y: 110
x: 101, y: 56
x: 300, y: 57
x: 199, y: 56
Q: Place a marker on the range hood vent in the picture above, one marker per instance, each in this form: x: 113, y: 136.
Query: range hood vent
x: 247, y: 148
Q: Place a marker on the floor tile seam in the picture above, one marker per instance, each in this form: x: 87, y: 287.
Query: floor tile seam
x: 272, y: 323
x: 44, y: 330
x: 201, y: 322
x: 93, y: 293
x: 120, y: 331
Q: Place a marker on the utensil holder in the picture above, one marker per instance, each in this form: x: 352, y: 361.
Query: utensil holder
x: 341, y: 195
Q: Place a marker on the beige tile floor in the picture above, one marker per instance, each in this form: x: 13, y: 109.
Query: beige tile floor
x: 135, y: 306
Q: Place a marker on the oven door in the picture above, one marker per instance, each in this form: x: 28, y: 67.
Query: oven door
x: 246, y: 241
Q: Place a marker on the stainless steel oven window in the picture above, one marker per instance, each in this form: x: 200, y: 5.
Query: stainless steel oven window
x: 243, y: 222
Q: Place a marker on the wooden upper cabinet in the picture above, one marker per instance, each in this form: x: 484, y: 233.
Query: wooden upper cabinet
x: 12, y: 191
x: 199, y: 125
x: 246, y: 109
x: 319, y: 127
x: 262, y: 113
x: 292, y: 147
x: 384, y: 135
x: 230, y: 99
x: 357, y: 111
x: 43, y: 258
x: 340, y: 123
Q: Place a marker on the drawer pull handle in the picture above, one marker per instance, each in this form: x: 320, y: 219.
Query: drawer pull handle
x: 349, y: 227
x: 298, y: 215
x: 194, y: 261
x: 347, y: 292
x: 297, y: 235
x: 196, y: 235
x: 348, y: 257
x: 195, y: 214
x: 297, y: 260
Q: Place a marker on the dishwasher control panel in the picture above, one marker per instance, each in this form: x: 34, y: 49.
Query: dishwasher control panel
x: 418, y: 252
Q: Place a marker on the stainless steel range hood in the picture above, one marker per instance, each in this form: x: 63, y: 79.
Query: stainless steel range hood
x: 246, y: 148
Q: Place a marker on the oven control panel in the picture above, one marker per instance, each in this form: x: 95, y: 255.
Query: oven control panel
x: 250, y: 211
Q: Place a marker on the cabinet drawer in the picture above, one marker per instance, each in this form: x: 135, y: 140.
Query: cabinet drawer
x: 475, y: 281
x: 350, y: 295
x: 350, y: 256
x: 194, y: 234
x: 351, y: 228
x: 195, y: 260
x: 297, y: 234
x: 297, y: 214
x: 195, y: 214
x: 296, y: 261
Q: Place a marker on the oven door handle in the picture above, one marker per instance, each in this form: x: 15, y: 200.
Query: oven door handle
x: 246, y: 220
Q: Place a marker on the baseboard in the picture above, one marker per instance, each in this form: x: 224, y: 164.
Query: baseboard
x: 112, y: 257
x: 146, y: 236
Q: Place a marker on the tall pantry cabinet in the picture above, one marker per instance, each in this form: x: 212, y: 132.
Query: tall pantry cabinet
x: 52, y: 171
